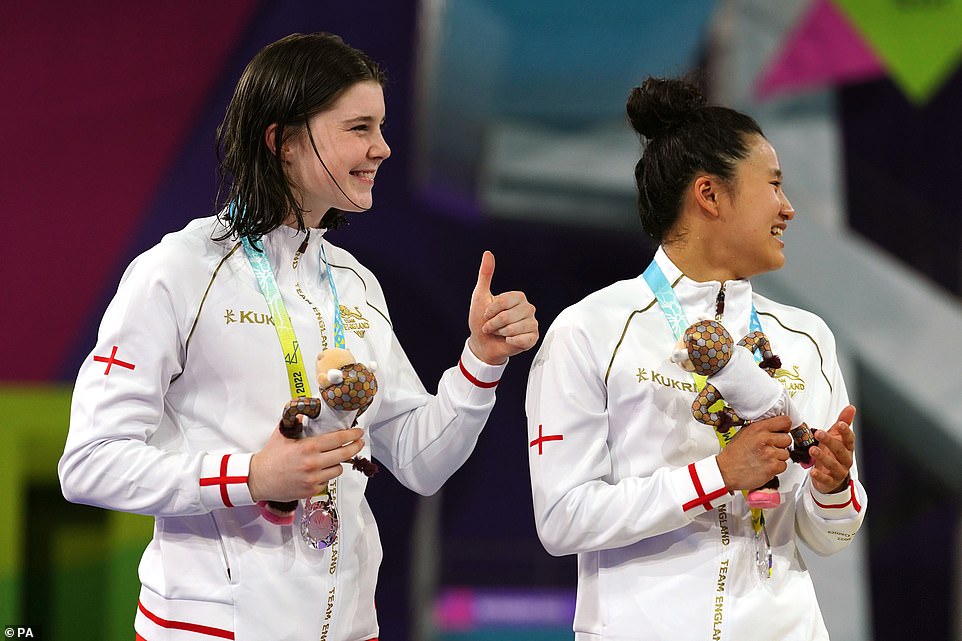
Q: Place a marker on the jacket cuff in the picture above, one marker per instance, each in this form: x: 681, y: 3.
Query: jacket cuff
x: 699, y: 486
x: 840, y: 505
x: 223, y: 480
x: 478, y: 373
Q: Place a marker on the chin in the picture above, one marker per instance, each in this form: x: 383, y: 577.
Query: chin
x: 772, y: 264
x: 364, y: 201
x: 362, y: 205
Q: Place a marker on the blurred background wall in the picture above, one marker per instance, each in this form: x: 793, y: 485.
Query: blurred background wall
x: 506, y: 121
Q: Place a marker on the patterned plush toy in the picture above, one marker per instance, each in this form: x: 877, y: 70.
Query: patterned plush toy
x: 347, y: 390
x: 749, y: 392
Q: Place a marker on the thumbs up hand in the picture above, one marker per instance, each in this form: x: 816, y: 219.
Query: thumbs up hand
x: 502, y: 325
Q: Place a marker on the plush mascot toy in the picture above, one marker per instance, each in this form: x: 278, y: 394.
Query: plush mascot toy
x: 748, y: 389
x: 347, y: 389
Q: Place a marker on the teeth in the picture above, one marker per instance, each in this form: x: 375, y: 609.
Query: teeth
x: 776, y: 231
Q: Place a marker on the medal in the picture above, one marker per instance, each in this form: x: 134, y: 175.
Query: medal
x: 319, y: 520
x: 319, y: 523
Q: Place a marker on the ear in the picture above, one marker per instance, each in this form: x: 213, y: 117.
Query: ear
x: 706, y: 191
x: 270, y: 137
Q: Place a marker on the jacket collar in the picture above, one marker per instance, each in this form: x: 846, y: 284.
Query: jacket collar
x: 699, y: 299
x: 282, y: 243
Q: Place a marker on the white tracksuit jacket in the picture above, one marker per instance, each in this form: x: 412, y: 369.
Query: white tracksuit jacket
x: 625, y: 478
x: 188, y: 379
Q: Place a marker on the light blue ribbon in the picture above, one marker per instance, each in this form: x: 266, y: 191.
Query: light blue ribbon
x: 671, y: 307
x: 282, y: 323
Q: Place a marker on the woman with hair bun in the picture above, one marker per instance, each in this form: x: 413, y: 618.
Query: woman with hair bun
x: 652, y: 501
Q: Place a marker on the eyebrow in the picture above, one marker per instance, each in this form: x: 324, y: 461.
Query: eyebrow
x: 360, y: 119
x: 777, y: 173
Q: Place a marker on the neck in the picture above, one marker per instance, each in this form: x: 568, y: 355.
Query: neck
x: 698, y: 261
x: 311, y: 220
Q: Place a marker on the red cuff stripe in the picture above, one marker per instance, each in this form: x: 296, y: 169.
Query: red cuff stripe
x: 693, y: 473
x: 703, y: 499
x: 181, y: 625
x: 223, y: 480
x: 223, y: 474
x: 475, y: 381
x: 855, y: 504
x: 851, y: 499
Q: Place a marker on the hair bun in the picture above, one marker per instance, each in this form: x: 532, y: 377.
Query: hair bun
x: 661, y: 105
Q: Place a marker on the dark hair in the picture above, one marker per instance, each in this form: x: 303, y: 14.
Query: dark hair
x: 685, y: 135
x: 287, y: 83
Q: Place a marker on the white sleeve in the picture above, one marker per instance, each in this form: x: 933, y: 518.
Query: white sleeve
x: 118, y: 406
x: 749, y: 390
x: 423, y: 439
x: 828, y: 522
x: 577, y: 507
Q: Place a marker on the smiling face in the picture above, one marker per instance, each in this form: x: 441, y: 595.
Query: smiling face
x: 755, y: 213
x: 351, y: 146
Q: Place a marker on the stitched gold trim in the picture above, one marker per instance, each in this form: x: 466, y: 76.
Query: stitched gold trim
x: 821, y: 359
x: 364, y: 284
x: 201, y: 307
x: 625, y: 330
x: 622, y: 338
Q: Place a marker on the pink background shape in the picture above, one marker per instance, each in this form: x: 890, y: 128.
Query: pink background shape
x: 824, y: 50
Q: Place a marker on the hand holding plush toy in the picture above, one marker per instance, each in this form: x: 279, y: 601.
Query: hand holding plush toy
x: 347, y: 390
x: 750, y: 392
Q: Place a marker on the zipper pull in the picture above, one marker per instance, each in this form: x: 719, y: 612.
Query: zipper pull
x: 303, y: 247
x: 300, y: 250
x: 720, y: 303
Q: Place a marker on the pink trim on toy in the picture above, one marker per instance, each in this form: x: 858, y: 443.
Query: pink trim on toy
x: 764, y: 499
x: 276, y: 519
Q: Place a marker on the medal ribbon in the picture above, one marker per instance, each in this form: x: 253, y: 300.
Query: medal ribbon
x: 678, y: 321
x: 296, y: 373
x: 339, y: 341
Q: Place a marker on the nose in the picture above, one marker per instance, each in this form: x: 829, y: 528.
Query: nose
x: 788, y: 212
x: 380, y: 149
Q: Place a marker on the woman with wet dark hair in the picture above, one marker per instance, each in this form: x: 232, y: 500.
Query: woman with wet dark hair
x: 657, y: 505
x: 196, y: 406
x: 291, y: 81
